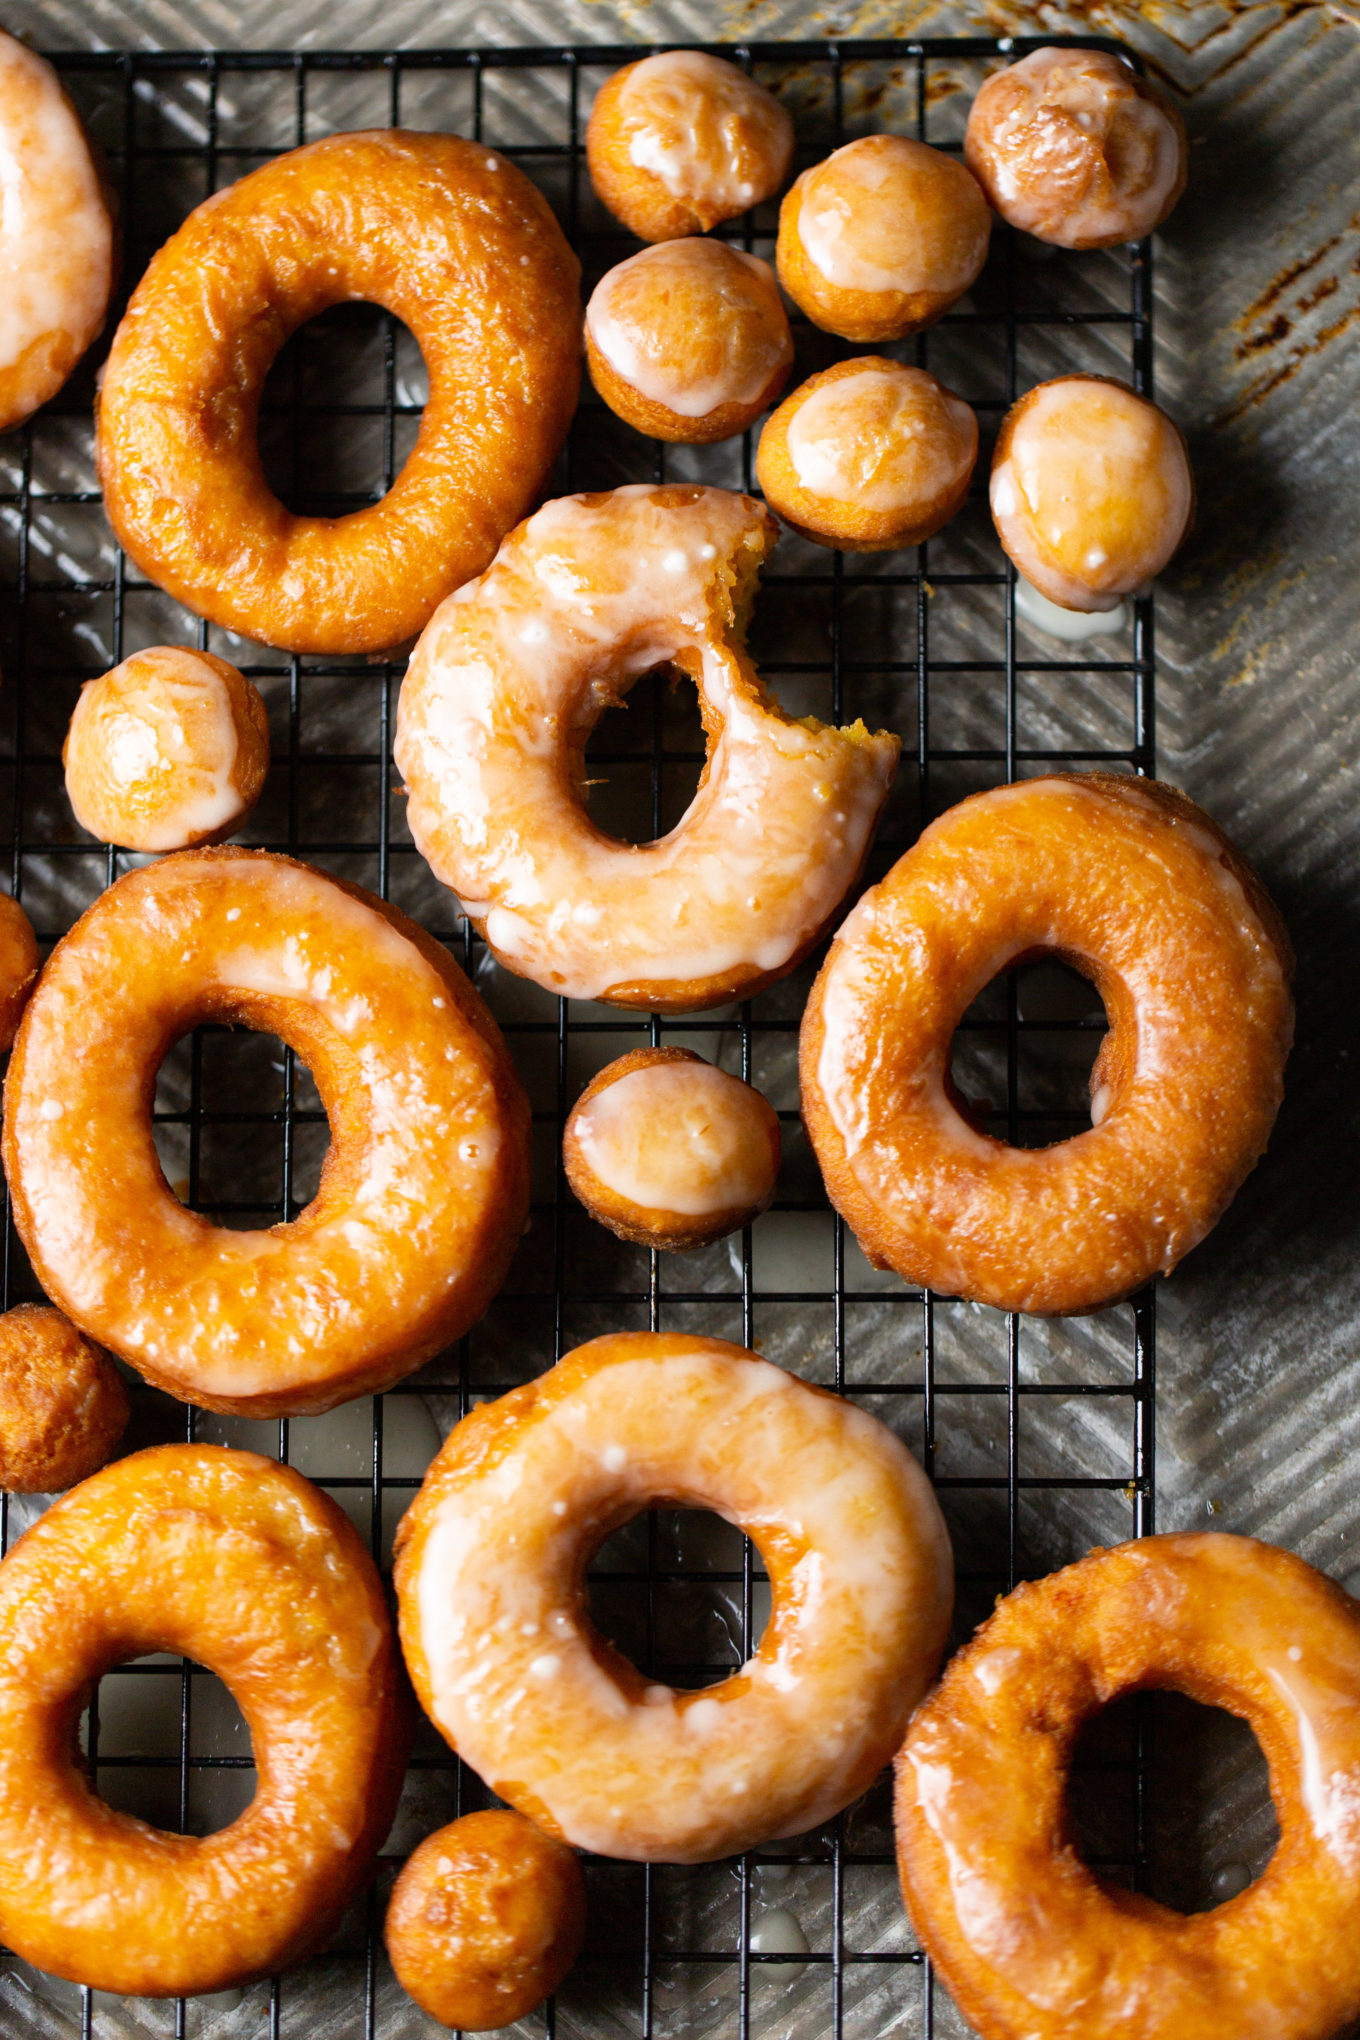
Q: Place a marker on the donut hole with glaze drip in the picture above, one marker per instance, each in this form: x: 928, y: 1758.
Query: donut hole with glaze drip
x: 1059, y: 1024
x: 688, y: 1628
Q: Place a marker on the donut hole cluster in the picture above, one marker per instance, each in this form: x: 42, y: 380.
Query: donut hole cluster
x: 1062, y: 1023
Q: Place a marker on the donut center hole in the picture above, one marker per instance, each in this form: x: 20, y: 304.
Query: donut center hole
x: 170, y: 1745
x: 240, y: 1130
x: 669, y: 1591
x: 1209, y: 1826
x: 340, y: 410
x: 644, y: 757
x: 1022, y: 1055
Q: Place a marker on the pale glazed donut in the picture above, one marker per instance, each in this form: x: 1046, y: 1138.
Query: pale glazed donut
x: 689, y: 340
x: 457, y: 243
x: 868, y: 455
x: 424, y: 1189
x: 56, y: 236
x: 245, y: 1567
x: 668, y: 1151
x: 880, y: 239
x: 485, y: 1921
x: 166, y: 752
x: 1129, y: 882
x: 679, y: 142
x: 1035, y: 1946
x: 491, y: 1581
x: 1074, y: 147
x: 497, y: 705
x: 19, y: 962
x: 1091, y: 490
x: 63, y: 1407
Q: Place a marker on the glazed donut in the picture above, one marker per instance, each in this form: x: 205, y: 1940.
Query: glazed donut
x: 868, y: 455
x: 449, y: 237
x: 501, y: 695
x: 679, y: 142
x: 506, y: 1663
x: 485, y: 1921
x: 1091, y: 490
x: 19, y: 962
x: 166, y: 752
x: 245, y: 1567
x: 56, y: 236
x: 1074, y: 147
x: 880, y: 239
x: 668, y: 1151
x: 424, y: 1190
x: 1131, y: 884
x: 63, y: 1407
x: 1031, y: 1943
x: 689, y: 341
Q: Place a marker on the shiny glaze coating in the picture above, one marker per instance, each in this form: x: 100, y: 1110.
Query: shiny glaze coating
x: 19, y: 962
x: 63, y: 1407
x: 459, y: 245
x: 491, y: 1566
x: 1129, y: 882
x: 424, y: 1189
x: 486, y: 1919
x: 245, y: 1567
x: 1034, y: 1945
x: 1074, y: 147
x: 501, y: 695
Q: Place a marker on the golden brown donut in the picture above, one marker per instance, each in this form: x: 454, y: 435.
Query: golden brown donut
x: 245, y: 1567
x: 1129, y: 882
x: 485, y: 1921
x: 424, y: 1189
x: 879, y: 240
x: 1035, y: 1946
x: 166, y: 752
x: 1074, y: 147
x: 669, y: 1152
x: 678, y: 142
x: 457, y: 243
x: 689, y: 340
x: 868, y: 455
x: 19, y: 961
x: 63, y: 1407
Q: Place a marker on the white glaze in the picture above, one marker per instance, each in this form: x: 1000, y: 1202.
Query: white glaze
x: 704, y: 129
x: 778, y: 1932
x: 881, y: 440
x: 858, y: 226
x: 1073, y: 626
x: 668, y: 355
x: 152, y: 752
x: 677, y: 1136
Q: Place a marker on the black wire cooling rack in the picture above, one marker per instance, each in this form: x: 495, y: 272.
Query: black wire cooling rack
x: 1039, y: 1437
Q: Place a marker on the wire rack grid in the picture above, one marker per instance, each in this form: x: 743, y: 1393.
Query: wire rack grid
x: 1039, y: 1437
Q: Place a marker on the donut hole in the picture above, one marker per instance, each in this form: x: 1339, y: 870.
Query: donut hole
x: 144, y: 1765
x: 644, y: 758
x: 1022, y: 1055
x: 666, y: 1590
x: 322, y: 430
x: 240, y: 1129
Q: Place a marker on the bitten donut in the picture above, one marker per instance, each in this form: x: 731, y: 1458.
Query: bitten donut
x: 459, y: 245
x: 166, y: 752
x: 668, y: 1151
x: 424, y: 1189
x: 868, y: 455
x: 499, y: 1643
x: 1129, y: 882
x: 63, y: 1407
x: 681, y: 141
x: 56, y: 236
x: 496, y: 707
x: 245, y: 1567
x: 879, y: 240
x: 689, y: 341
x: 1091, y: 490
x: 1035, y: 1946
x: 19, y: 961
x: 1074, y: 147
x: 485, y: 1921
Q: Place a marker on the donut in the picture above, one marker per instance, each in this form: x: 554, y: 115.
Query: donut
x: 63, y: 1407
x: 689, y: 341
x: 679, y: 142
x: 244, y: 1566
x: 486, y: 1919
x: 166, y: 752
x: 1074, y: 147
x: 868, y: 455
x: 880, y: 239
x: 1033, y: 1944
x: 1091, y: 490
x: 424, y: 1189
x: 1131, y: 884
x: 453, y: 240
x: 668, y: 1151
x: 56, y: 236
x: 19, y: 961
x: 507, y: 1665
x: 495, y: 710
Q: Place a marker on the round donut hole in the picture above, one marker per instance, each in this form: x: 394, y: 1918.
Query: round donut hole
x: 333, y: 363
x: 1210, y: 1822
x: 642, y: 772
x: 1062, y: 1022
x: 666, y: 1591
x: 141, y: 1708
x: 237, y: 1178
